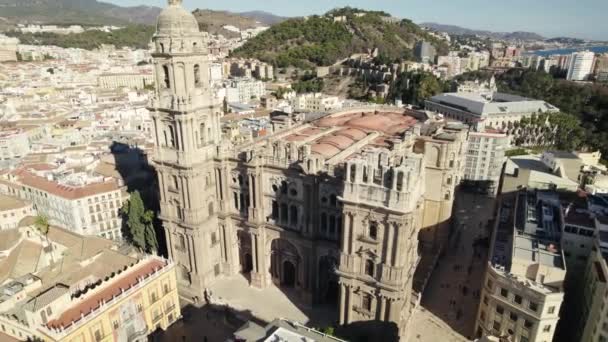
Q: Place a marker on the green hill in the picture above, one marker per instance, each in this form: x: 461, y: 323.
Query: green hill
x: 321, y: 41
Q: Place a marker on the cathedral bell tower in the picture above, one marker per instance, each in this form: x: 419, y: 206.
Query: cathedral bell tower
x: 187, y: 132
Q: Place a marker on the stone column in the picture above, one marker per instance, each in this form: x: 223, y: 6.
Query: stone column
x: 342, y: 304
x: 382, y: 309
x: 389, y: 244
x: 349, y: 305
x: 351, y: 234
x: 254, y: 252
x: 345, y: 232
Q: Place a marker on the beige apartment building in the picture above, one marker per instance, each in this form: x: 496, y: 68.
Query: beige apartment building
x: 522, y: 289
x: 593, y: 320
x: 331, y: 208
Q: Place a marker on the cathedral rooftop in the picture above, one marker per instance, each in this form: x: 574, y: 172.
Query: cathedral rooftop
x: 342, y: 131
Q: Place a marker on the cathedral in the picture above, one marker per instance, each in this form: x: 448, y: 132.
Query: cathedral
x: 335, y: 208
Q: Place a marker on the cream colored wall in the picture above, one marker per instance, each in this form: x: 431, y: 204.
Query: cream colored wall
x: 86, y: 332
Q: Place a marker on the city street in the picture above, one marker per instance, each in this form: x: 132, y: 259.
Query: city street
x: 452, y: 293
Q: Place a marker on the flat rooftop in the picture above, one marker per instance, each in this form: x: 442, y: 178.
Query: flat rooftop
x: 528, y: 230
x: 487, y: 103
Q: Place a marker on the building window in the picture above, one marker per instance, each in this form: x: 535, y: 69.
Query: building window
x: 182, y: 243
x: 366, y: 302
x: 197, y: 75
x: 518, y: 299
x: 504, y: 292
x: 547, y: 328
x: 528, y: 324
x: 293, y: 215
x: 333, y: 200
x: 373, y: 230
x: 500, y: 310
x: 533, y: 306
x: 275, y: 210
x: 369, y: 268
x: 496, y: 326
x: 175, y: 183
x: 551, y: 309
x: 323, y: 223
x: 513, y: 317
x: 166, y: 81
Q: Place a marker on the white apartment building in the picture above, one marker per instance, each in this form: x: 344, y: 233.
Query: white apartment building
x: 581, y: 66
x: 485, y: 157
x: 127, y: 80
x: 216, y: 72
x: 452, y: 62
x: 80, y: 203
x: 243, y: 90
x: 317, y: 102
x: 14, y: 144
x: 522, y: 290
x: 8, y: 48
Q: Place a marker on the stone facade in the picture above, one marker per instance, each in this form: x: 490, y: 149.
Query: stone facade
x: 332, y: 208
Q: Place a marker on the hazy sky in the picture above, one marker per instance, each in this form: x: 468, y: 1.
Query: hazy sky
x: 574, y: 18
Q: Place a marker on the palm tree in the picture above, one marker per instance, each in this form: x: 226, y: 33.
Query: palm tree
x: 42, y: 224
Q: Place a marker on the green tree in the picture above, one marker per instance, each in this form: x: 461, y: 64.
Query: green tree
x: 43, y: 226
x: 416, y: 87
x: 139, y: 224
x: 150, y: 233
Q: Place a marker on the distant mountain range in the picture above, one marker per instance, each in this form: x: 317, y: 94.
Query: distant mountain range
x: 214, y: 21
x: 87, y: 12
x: 93, y: 12
x: 457, y: 30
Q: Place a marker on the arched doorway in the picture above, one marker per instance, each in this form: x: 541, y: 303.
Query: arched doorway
x: 328, y: 281
x: 245, y: 252
x: 284, y: 263
x: 289, y: 274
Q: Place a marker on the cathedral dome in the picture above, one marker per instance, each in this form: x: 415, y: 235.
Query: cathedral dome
x: 176, y: 21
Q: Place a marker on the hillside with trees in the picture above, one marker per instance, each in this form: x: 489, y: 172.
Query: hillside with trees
x: 321, y: 40
x: 583, y: 121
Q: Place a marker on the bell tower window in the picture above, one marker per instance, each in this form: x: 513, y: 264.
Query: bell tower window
x: 202, y: 130
x: 171, y: 137
x: 167, y: 81
x: 197, y: 75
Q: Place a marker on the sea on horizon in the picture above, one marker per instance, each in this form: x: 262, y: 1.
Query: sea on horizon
x: 545, y: 53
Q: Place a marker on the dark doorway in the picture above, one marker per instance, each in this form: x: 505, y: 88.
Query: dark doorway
x: 289, y: 274
x: 328, y: 281
x: 248, y: 266
x: 284, y: 263
x: 245, y: 252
